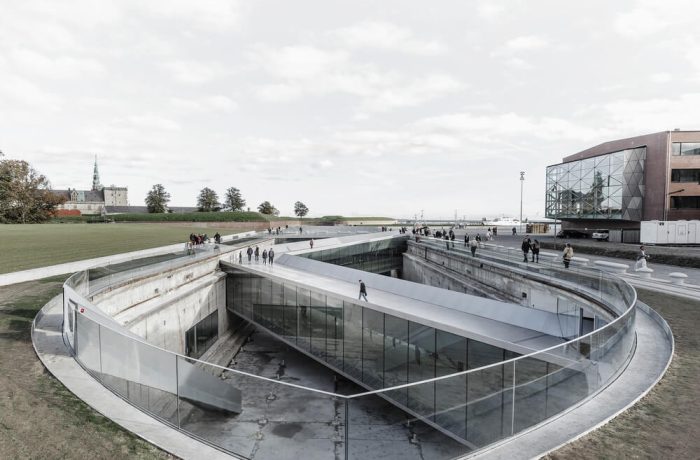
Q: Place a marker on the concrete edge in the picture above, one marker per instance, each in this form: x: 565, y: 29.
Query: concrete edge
x: 183, y: 446
x: 667, y: 329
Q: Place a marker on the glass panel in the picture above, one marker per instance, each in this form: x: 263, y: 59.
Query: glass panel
x: 530, y: 393
x: 318, y: 324
x: 451, y: 394
x: 396, y: 357
x: 334, y: 332
x: 277, y: 307
x: 352, y: 344
x: 421, y: 399
x: 487, y: 394
x: 373, y: 348
x: 303, y: 319
x: 690, y: 148
x: 87, y: 344
x: 290, y: 312
x: 140, y: 373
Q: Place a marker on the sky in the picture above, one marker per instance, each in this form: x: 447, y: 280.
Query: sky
x: 353, y: 107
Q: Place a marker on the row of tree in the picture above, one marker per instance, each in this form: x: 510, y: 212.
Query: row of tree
x: 208, y: 200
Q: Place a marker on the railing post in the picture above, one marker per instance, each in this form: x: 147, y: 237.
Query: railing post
x: 512, y: 419
x: 177, y: 391
x: 347, y: 428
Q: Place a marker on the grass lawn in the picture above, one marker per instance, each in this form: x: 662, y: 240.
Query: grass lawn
x: 664, y: 424
x: 39, y: 417
x: 31, y: 246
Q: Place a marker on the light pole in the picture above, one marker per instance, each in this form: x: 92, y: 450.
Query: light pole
x: 522, y: 181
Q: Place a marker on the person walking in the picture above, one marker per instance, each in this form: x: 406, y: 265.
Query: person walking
x: 515, y: 232
x: 311, y: 243
x: 641, y: 259
x: 264, y: 256
x: 250, y: 253
x: 466, y: 240
x: 271, y: 255
x: 363, y: 291
x: 525, y: 248
x: 536, y: 251
x: 240, y: 257
x: 472, y: 245
x: 257, y: 254
x: 568, y: 255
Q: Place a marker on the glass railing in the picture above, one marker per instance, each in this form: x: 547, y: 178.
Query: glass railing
x: 601, y: 285
x: 256, y: 415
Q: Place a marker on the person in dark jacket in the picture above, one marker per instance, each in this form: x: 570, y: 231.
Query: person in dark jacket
x: 271, y: 255
x: 526, y: 248
x: 250, y: 253
x: 264, y: 256
x: 363, y: 291
x: 535, y: 247
x: 257, y: 253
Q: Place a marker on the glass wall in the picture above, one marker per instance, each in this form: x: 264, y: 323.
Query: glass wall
x: 609, y: 186
x: 381, y: 350
x: 374, y: 256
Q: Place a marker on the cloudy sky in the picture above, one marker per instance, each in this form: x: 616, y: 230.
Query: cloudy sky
x: 353, y: 107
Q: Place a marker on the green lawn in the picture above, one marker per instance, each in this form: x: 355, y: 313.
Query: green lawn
x: 31, y: 246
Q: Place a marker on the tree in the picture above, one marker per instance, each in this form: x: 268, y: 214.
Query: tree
x: 208, y: 200
x: 157, y: 199
x: 266, y: 208
x: 25, y: 195
x: 234, y: 200
x: 300, y: 209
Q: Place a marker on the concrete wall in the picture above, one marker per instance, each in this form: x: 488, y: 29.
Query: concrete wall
x: 165, y: 326
x: 459, y: 272
x: 137, y: 290
x: 161, y: 307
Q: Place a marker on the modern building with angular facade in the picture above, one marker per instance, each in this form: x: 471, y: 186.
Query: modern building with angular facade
x: 618, y: 184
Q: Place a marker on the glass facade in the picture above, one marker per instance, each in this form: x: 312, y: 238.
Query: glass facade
x: 685, y: 148
x: 609, y: 186
x: 381, y: 350
x: 373, y: 256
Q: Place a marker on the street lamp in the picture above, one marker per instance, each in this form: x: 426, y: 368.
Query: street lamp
x: 522, y: 181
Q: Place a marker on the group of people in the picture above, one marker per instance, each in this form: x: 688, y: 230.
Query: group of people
x: 533, y: 247
x: 198, y: 240
x: 267, y: 255
x: 276, y: 231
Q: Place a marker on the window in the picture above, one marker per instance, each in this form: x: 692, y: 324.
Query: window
x: 685, y: 175
x: 202, y: 335
x: 686, y: 148
x: 685, y: 202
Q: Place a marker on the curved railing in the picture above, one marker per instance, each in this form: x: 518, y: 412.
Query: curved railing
x: 475, y: 407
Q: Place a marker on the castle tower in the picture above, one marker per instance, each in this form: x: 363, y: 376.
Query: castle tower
x: 96, y: 186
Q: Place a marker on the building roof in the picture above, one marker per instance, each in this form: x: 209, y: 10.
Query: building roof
x: 84, y: 196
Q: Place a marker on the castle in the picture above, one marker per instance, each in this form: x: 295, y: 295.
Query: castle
x: 98, y: 200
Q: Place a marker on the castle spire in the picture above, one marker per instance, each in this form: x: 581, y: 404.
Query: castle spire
x: 96, y: 186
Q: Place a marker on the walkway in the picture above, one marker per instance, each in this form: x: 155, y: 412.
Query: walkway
x: 53, y: 353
